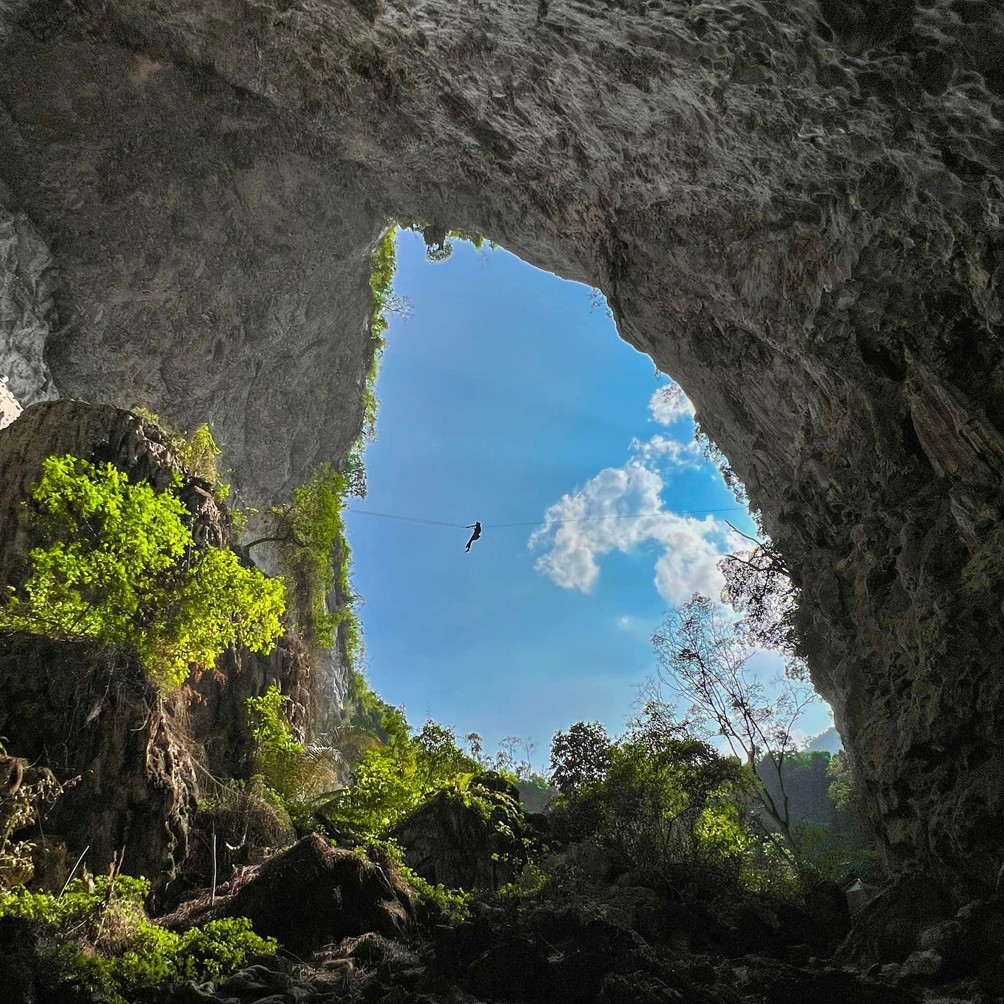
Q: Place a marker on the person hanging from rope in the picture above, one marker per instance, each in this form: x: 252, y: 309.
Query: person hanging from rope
x: 476, y: 527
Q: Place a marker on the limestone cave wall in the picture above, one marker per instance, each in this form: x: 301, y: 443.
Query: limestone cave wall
x: 794, y: 206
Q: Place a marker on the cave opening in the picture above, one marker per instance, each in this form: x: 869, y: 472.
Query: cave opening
x: 508, y: 397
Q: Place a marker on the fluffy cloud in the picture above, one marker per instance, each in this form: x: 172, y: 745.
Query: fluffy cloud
x: 620, y: 509
x: 669, y: 404
x: 661, y: 450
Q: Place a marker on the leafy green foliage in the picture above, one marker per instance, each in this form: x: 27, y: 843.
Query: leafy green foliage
x: 197, y: 452
x: 391, y: 781
x: 365, y: 709
x: 116, y: 563
x: 311, y: 532
x: 279, y: 758
x: 644, y: 795
x: 703, y: 657
x: 580, y: 758
x: 437, y: 757
x: 107, y: 942
x: 289, y: 773
x: 447, y: 904
x: 382, y: 272
x: 841, y: 780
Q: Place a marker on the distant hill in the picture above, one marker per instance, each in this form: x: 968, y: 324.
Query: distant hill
x: 826, y: 742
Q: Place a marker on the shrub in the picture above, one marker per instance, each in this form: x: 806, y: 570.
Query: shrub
x: 117, y: 563
x: 106, y: 941
x: 446, y: 903
x: 198, y: 453
x: 278, y: 756
x: 311, y: 534
x: 292, y: 773
x: 391, y: 781
x: 21, y: 804
x: 365, y: 709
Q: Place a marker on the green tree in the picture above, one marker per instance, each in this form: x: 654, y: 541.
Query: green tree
x: 387, y: 783
x: 657, y: 796
x: 311, y: 533
x: 704, y: 657
x: 580, y: 757
x: 660, y: 781
x: 115, y: 562
x: 438, y: 757
x: 841, y: 788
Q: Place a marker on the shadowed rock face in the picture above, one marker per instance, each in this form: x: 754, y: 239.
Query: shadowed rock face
x: 793, y: 207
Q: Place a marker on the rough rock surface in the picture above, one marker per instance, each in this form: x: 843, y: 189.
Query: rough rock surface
x: 26, y: 307
x: 89, y: 711
x: 794, y: 207
x: 310, y: 895
x: 467, y: 843
x: 97, y: 433
x: 86, y: 712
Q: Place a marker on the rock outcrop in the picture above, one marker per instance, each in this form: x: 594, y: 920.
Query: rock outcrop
x: 87, y: 711
x: 793, y: 207
x: 310, y: 895
x: 90, y: 714
x: 467, y: 840
x: 99, y: 434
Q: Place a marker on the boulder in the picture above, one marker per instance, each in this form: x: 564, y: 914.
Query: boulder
x: 310, y: 895
x: 467, y: 840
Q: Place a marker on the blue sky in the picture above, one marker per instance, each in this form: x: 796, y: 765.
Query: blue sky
x: 507, y: 397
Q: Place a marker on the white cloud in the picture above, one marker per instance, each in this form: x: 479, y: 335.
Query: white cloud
x: 690, y: 562
x: 661, y: 449
x: 669, y: 404
x: 621, y: 509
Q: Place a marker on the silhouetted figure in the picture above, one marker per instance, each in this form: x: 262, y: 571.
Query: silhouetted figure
x: 476, y: 527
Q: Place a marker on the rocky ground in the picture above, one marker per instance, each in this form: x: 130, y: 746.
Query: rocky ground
x: 353, y: 931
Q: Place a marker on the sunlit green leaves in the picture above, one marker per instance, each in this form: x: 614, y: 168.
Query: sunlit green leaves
x: 115, y: 562
x: 108, y: 944
x: 391, y: 781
